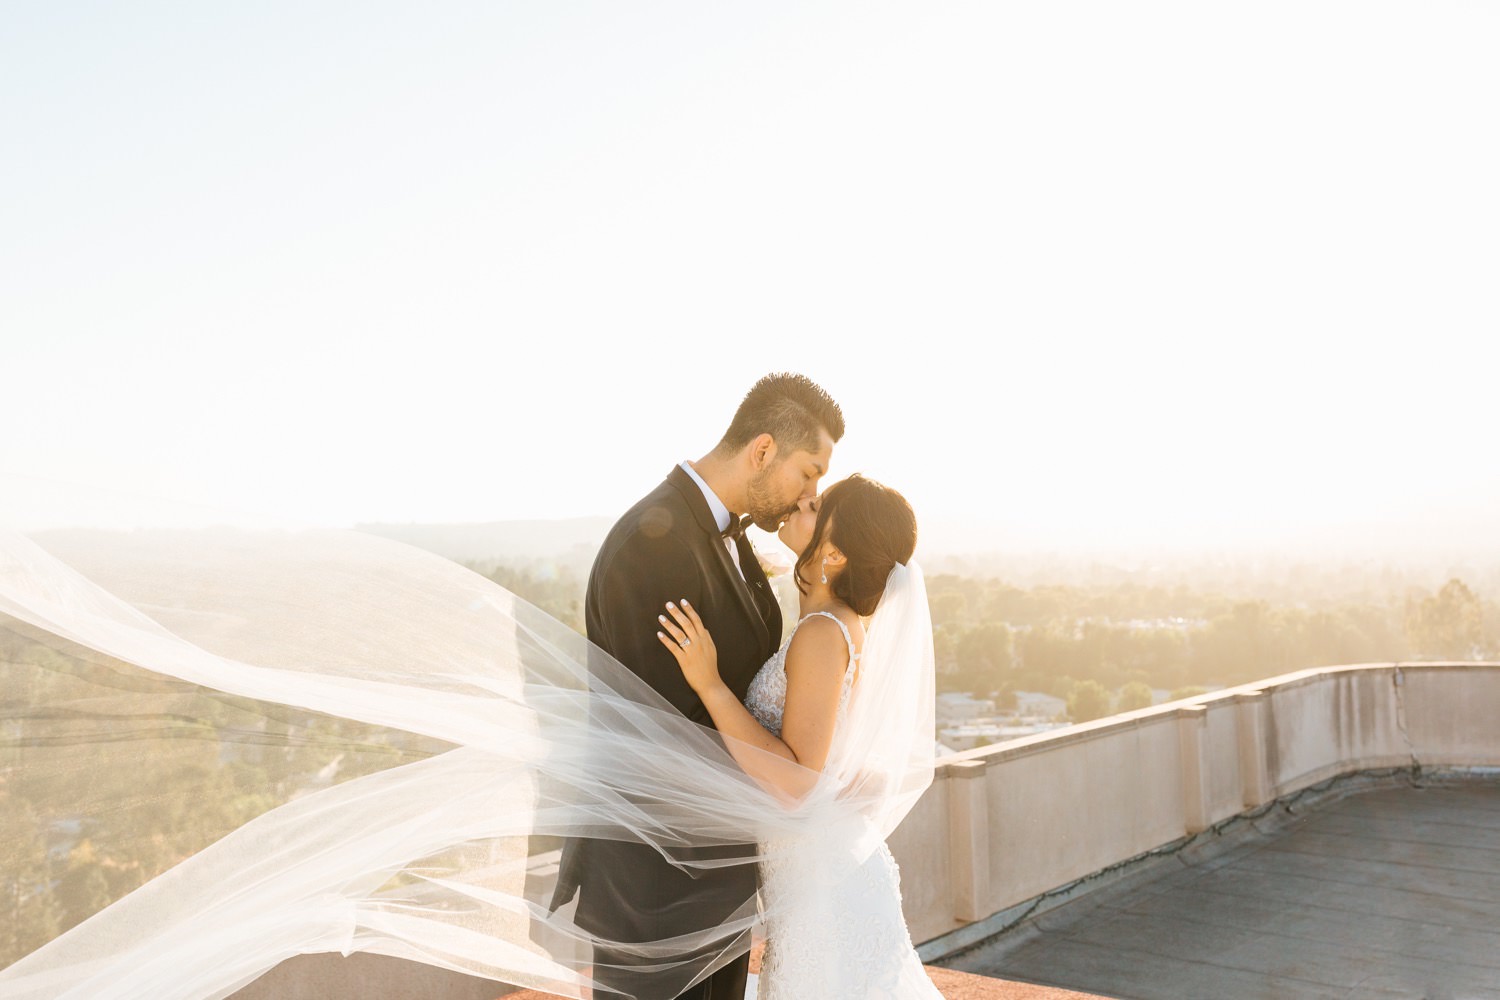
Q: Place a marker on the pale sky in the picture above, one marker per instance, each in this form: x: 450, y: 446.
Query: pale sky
x: 1081, y: 274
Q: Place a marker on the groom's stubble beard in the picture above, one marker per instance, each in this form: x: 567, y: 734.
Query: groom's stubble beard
x: 767, y: 510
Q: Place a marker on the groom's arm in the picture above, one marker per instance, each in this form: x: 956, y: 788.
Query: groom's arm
x: 634, y: 586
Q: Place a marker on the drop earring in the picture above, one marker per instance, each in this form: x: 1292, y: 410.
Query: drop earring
x: 825, y: 570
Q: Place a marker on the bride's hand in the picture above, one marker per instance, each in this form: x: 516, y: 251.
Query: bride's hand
x: 689, y: 642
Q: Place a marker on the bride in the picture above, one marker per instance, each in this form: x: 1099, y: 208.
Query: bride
x: 837, y: 928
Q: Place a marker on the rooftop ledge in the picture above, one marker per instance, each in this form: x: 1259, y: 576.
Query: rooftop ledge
x: 1009, y: 831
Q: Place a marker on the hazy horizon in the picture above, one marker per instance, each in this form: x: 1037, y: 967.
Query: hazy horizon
x: 1463, y: 535
x: 545, y: 539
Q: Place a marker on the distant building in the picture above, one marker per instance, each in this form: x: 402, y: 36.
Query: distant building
x: 982, y: 733
x: 955, y: 706
x: 965, y: 722
x: 1045, y: 705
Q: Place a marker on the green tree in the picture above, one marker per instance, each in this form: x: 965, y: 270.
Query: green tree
x: 1250, y: 642
x: 1088, y: 701
x: 84, y: 891
x: 30, y: 914
x: 945, y: 657
x: 983, y: 656
x: 948, y: 607
x: 1135, y: 695
x: 1448, y: 625
x: 1005, y: 698
x: 556, y: 590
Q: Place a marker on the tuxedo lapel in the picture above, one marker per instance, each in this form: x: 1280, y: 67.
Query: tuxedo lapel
x: 693, y: 496
x: 765, y: 600
x: 738, y: 583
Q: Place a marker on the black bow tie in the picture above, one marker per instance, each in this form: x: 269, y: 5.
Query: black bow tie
x: 737, y: 526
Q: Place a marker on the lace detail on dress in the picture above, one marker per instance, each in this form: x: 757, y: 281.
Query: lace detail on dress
x: 766, y: 696
x: 838, y: 933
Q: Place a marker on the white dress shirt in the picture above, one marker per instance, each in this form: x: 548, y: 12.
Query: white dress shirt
x: 720, y: 512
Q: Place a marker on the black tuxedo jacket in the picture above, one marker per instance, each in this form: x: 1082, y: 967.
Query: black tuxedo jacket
x: 666, y: 548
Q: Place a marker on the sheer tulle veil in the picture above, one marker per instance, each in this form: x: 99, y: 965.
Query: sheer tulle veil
x: 222, y: 746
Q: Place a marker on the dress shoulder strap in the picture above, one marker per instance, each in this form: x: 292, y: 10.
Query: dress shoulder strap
x: 842, y: 628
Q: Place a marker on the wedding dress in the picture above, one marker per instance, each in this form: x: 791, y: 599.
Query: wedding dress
x: 835, y: 928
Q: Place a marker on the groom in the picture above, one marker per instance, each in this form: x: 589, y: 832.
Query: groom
x: 685, y: 539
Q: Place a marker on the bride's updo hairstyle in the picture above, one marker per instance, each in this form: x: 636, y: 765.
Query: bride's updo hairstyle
x: 873, y: 526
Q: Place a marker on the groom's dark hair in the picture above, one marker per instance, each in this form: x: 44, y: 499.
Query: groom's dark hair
x: 791, y: 408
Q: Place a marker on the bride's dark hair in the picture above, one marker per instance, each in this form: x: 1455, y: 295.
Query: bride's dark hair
x: 874, y: 527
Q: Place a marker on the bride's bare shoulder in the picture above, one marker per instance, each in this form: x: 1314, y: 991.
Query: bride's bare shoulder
x: 820, y: 640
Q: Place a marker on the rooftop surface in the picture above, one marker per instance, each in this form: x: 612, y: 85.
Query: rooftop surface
x: 952, y: 984
x: 1384, y: 893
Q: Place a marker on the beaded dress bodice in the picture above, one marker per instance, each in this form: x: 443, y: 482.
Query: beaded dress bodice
x: 766, y: 696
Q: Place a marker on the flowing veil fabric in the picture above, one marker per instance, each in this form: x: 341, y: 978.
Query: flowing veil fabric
x: 221, y: 747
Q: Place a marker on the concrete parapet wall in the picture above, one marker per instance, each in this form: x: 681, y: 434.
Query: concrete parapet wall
x: 1006, y: 823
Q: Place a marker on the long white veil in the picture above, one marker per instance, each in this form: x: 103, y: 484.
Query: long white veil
x: 221, y: 747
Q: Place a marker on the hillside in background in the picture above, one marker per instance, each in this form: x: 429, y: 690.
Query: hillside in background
x: 571, y: 542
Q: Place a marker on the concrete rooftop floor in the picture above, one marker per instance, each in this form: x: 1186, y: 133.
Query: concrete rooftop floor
x: 952, y: 984
x: 1382, y: 893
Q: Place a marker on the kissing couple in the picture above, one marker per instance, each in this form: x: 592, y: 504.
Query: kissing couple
x: 835, y: 721
x: 263, y: 742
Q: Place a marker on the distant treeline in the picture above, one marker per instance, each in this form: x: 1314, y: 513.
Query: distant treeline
x: 993, y: 638
x: 555, y: 589
x: 1115, y: 641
